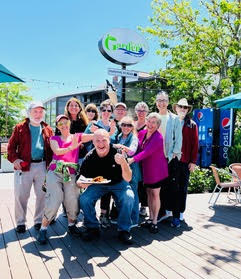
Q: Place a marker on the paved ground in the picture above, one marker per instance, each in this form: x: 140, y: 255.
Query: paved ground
x: 208, y: 245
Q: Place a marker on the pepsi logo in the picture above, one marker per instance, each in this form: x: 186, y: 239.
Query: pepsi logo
x: 226, y: 123
x: 200, y: 116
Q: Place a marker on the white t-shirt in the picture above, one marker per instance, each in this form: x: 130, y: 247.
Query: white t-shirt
x: 162, y: 128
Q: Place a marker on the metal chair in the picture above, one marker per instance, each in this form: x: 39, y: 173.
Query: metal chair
x: 235, y: 168
x: 224, y: 185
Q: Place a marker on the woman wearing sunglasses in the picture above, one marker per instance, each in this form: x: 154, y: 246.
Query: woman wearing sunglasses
x: 128, y: 142
x: 92, y: 112
x: 154, y: 165
x: 78, y: 123
x: 105, y: 122
x: 60, y: 179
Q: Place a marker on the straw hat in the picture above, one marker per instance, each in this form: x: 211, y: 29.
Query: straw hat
x: 182, y: 102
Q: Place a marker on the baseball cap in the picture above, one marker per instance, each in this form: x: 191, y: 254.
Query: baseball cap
x: 60, y: 117
x: 121, y: 104
x: 36, y: 104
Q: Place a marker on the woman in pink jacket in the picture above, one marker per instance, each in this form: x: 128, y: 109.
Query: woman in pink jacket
x: 154, y: 166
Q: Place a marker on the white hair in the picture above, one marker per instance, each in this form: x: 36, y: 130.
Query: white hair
x: 155, y: 115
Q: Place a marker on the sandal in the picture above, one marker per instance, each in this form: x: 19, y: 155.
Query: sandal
x: 153, y: 228
x: 146, y: 224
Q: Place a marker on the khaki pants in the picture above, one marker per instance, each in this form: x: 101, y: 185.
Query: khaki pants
x: 58, y: 192
x: 22, y: 187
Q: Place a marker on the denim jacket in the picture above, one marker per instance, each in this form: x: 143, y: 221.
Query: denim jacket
x: 173, y: 137
x: 136, y: 172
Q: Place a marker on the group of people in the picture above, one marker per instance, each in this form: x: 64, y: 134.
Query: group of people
x: 142, y: 163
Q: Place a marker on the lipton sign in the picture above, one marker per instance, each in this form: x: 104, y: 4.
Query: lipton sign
x: 123, y: 46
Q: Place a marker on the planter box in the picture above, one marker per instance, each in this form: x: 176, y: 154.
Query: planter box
x: 6, y: 166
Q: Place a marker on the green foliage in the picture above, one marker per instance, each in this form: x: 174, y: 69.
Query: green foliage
x: 203, y: 53
x: 202, y: 180
x: 12, y: 103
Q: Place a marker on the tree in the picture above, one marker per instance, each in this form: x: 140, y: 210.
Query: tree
x: 203, y: 53
x: 12, y: 103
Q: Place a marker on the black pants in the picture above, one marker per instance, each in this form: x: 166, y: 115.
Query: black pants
x: 169, y: 193
x: 142, y: 194
x: 183, y: 184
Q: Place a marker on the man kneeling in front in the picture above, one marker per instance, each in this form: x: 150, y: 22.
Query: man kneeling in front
x: 104, y: 161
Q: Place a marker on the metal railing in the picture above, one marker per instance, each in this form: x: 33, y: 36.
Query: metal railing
x: 3, y: 150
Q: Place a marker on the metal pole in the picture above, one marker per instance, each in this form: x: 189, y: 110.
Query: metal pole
x: 123, y: 85
x: 6, y: 120
x: 231, y: 121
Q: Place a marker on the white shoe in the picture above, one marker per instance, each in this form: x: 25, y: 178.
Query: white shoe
x: 142, y: 211
x: 181, y: 217
x: 164, y: 217
x: 134, y: 226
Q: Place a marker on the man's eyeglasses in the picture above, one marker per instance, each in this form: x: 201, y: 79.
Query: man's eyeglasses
x: 104, y: 110
x: 162, y: 100
x: 183, y: 107
x: 91, y: 110
x: 126, y: 125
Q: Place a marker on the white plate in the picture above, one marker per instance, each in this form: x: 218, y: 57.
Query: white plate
x: 92, y: 182
x: 85, y: 180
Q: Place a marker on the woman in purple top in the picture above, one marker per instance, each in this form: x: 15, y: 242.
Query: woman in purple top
x: 154, y: 165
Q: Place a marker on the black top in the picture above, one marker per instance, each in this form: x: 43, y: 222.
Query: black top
x: 93, y: 166
x: 140, y: 129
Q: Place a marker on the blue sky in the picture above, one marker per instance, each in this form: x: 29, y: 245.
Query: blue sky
x: 54, y: 40
x: 57, y: 40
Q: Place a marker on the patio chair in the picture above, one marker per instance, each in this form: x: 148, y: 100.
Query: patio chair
x: 236, y: 172
x: 223, y: 185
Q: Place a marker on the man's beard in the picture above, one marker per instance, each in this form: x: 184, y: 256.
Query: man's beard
x: 37, y: 122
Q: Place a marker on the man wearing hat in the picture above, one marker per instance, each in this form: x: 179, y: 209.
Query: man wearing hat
x: 29, y: 151
x: 188, y: 159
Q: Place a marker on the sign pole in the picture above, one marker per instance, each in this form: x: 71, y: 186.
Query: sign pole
x: 123, y: 86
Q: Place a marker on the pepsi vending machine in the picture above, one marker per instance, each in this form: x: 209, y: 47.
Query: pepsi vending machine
x: 225, y: 136
x: 215, y: 128
x: 204, y: 120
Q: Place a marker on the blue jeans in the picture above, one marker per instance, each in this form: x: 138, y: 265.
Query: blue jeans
x: 124, y: 198
x: 135, y: 209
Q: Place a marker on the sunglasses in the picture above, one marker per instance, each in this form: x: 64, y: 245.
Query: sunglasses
x: 183, y: 107
x: 104, y: 110
x: 91, y: 110
x: 126, y: 125
x: 140, y: 111
x: 60, y: 124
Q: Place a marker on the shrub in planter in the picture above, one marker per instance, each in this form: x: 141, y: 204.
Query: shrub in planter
x: 202, y: 180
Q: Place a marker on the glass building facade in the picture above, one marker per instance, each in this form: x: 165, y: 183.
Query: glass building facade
x: 56, y: 105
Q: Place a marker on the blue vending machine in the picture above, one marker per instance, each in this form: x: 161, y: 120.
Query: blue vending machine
x: 215, y: 129
x: 205, y: 122
x: 225, y: 136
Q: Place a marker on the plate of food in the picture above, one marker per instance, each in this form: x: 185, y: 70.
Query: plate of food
x: 95, y: 180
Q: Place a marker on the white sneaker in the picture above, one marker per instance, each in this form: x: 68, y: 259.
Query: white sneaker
x: 181, y: 217
x: 142, y: 211
x: 134, y: 226
x: 164, y: 217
